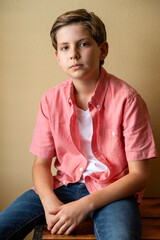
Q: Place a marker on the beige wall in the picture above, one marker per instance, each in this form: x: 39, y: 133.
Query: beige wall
x: 28, y: 68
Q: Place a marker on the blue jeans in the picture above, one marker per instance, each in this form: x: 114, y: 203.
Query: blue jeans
x: 119, y: 220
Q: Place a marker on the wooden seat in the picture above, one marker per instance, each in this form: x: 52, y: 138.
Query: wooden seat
x: 150, y: 212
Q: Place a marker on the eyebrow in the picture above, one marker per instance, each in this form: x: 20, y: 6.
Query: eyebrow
x: 82, y: 39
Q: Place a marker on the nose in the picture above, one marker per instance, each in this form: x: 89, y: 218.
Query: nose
x: 74, y: 53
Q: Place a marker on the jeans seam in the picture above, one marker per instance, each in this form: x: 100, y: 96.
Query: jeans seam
x: 24, y: 225
x: 97, y: 230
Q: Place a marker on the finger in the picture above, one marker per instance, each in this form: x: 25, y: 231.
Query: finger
x: 52, y: 222
x: 56, y: 228
x: 69, y: 230
x: 63, y: 229
x: 61, y: 226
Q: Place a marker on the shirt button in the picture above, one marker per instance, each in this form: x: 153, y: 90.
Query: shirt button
x: 64, y: 182
x: 81, y: 169
x: 70, y: 101
x: 113, y: 134
x: 98, y: 106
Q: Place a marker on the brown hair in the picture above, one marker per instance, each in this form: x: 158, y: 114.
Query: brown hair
x: 89, y: 20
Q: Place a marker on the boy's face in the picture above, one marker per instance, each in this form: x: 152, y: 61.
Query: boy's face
x: 78, y: 53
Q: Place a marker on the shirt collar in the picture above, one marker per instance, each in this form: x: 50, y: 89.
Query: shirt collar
x: 101, y: 89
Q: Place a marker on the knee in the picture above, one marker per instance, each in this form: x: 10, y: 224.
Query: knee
x: 124, y: 234
x: 120, y: 234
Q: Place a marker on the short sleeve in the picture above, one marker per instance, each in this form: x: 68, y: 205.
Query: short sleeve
x: 42, y: 142
x: 138, y: 138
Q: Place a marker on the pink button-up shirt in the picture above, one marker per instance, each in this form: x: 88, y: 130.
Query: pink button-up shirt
x: 121, y: 131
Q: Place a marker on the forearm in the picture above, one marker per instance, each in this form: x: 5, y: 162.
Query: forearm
x: 43, y: 182
x: 124, y: 187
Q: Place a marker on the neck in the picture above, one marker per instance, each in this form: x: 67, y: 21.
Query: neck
x: 86, y: 85
x: 83, y: 91
x: 86, y: 88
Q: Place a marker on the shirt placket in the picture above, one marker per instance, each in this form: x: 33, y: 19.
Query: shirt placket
x: 74, y: 131
x: 95, y: 110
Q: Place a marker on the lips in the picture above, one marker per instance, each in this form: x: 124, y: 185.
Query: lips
x: 76, y: 66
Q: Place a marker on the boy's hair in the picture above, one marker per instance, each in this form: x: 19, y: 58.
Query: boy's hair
x: 89, y: 20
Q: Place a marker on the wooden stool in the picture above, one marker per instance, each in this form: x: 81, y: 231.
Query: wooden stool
x: 150, y: 212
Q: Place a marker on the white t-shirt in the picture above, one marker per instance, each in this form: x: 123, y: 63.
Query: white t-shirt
x: 86, y: 130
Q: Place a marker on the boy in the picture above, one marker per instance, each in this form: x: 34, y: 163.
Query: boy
x: 98, y: 129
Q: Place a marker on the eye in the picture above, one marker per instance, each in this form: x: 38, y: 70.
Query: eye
x: 64, y: 48
x: 83, y: 44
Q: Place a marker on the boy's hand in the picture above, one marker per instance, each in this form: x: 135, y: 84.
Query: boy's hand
x: 49, y: 216
x: 67, y: 217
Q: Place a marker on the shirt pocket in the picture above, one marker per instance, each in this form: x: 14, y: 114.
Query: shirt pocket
x: 113, y: 144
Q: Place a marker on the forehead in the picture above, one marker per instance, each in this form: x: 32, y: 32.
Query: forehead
x: 73, y: 32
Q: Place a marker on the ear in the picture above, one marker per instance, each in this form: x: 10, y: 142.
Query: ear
x: 104, y: 50
x: 57, y: 57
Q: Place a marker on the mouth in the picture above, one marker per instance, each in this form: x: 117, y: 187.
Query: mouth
x: 76, y: 66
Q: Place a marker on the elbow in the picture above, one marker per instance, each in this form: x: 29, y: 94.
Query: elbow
x: 145, y: 180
